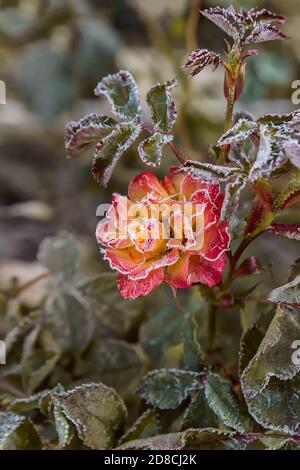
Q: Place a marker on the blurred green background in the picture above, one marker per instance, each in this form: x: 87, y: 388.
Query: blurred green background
x: 52, y: 54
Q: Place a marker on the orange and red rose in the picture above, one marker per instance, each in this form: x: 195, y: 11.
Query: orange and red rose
x: 168, y: 231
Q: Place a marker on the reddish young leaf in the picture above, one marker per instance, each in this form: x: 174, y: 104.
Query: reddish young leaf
x: 291, y: 231
x: 251, y: 265
x: 200, y: 59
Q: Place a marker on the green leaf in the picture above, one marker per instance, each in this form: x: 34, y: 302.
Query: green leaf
x: 162, y: 105
x: 274, y: 355
x: 192, y: 439
x: 193, y: 355
x: 199, y: 414
x: 243, y: 129
x: 67, y: 323
x: 167, y: 388
x: 150, y: 149
x: 225, y: 404
x: 36, y: 368
x: 235, y: 184
x: 115, y: 363
x: 291, y: 194
x: 96, y: 411
x: 121, y: 91
x: 155, y: 337
x: 17, y: 433
x: 110, y: 149
x: 113, y: 313
x: 277, y: 406
x: 60, y: 254
x: 208, y: 171
x: 287, y: 294
x: 80, y: 134
x: 146, y: 426
x: 64, y: 428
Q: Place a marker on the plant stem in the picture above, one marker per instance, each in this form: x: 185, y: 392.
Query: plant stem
x: 29, y: 284
x: 230, y: 109
x: 211, y: 325
x: 177, y: 153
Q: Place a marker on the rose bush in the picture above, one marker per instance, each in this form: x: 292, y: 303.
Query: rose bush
x: 168, y: 231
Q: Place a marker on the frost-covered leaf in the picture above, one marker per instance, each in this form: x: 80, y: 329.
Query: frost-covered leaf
x: 112, y: 312
x: 243, y: 129
x: 167, y: 388
x: 277, y: 407
x: 264, y: 32
x: 193, y: 353
x: 248, y: 27
x: 111, y: 148
x: 162, y: 105
x: 17, y: 433
x: 146, y: 426
x: 200, y: 59
x: 36, y: 368
x: 290, y: 194
x: 90, y: 129
x: 198, y: 414
x: 96, y: 411
x: 64, y: 428
x: 292, y: 151
x: 67, y: 323
x: 115, y: 363
x: 226, y: 19
x: 225, y: 404
x: 234, y: 187
x: 291, y: 231
x: 269, y: 376
x: 268, y: 158
x: 121, y: 91
x: 192, y: 439
x: 287, y: 294
x: 208, y: 171
x: 274, y: 355
x: 60, y: 254
x: 150, y: 149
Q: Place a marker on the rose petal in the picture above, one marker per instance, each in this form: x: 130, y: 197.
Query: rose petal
x: 218, y: 243
x: 132, y: 289
x: 110, y: 236
x: 143, y: 270
x: 144, y: 184
x: 206, y: 272
x: 125, y: 261
x: 177, y: 275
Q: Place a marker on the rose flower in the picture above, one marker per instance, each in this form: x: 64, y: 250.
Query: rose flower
x: 168, y: 231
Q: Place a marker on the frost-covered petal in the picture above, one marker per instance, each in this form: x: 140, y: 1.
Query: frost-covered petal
x: 177, y: 275
x: 124, y: 260
x: 202, y: 271
x: 217, y: 242
x: 132, y: 289
x: 143, y: 185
